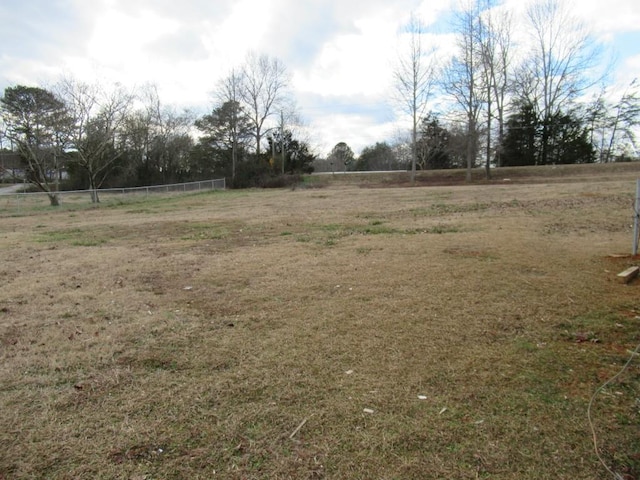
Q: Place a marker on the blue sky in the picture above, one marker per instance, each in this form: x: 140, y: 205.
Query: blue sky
x: 340, y: 53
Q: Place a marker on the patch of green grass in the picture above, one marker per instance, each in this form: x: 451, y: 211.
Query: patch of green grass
x: 378, y: 229
x: 204, y: 231
x: 372, y: 217
x: 438, y: 209
x: 153, y: 203
x: 525, y: 345
x: 73, y: 236
x: 156, y: 363
x: 436, y: 229
x: 335, y: 232
x: 89, y: 242
x: 373, y: 228
x: 312, y: 182
x: 331, y: 227
x: 140, y: 210
x: 440, y: 229
x: 465, y: 252
x: 597, y: 326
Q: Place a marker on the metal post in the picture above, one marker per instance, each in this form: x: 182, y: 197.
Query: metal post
x: 282, y: 138
x: 636, y: 218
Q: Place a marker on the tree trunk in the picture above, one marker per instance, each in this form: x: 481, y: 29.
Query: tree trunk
x: 233, y: 162
x: 471, y: 134
x: 607, y: 155
x: 488, y: 153
x: 500, y: 139
x: 414, y: 148
x: 94, y: 190
x: 54, y: 200
x: 544, y: 153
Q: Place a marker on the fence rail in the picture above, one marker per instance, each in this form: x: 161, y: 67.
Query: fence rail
x: 76, y: 196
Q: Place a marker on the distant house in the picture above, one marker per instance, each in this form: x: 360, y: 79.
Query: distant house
x: 10, y: 166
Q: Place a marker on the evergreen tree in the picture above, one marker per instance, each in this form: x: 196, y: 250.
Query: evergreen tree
x: 297, y: 158
x: 565, y: 137
x: 377, y: 157
x: 433, y: 144
x: 520, y: 142
x: 569, y: 141
x: 226, y: 132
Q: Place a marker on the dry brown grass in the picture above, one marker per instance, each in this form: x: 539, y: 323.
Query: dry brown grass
x: 190, y: 337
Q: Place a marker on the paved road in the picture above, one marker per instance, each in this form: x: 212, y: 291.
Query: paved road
x: 11, y: 189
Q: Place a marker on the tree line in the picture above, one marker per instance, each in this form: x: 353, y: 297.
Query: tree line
x: 499, y: 102
x: 91, y: 136
x: 513, y: 104
x: 497, y: 105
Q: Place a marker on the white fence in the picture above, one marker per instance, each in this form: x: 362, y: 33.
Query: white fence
x: 75, y: 196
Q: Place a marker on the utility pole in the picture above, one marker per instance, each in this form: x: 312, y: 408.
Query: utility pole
x: 1, y: 157
x: 282, y: 138
x: 273, y: 149
x: 636, y: 219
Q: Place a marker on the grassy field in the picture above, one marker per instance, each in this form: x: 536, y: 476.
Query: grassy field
x: 454, y: 332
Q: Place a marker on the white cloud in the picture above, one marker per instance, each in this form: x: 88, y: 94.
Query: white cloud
x: 341, y: 53
x: 353, y: 63
x: 610, y: 17
x: 245, y: 28
x: 357, y: 131
x: 430, y: 12
x: 123, y: 46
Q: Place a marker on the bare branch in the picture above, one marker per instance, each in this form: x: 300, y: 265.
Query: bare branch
x: 415, y: 78
x: 263, y: 88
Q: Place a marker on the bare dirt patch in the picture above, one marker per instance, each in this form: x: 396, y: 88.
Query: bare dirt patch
x: 343, y: 333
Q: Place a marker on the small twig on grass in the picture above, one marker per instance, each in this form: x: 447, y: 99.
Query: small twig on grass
x: 293, y: 434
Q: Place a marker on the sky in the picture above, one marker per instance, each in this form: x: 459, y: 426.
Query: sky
x: 340, y: 54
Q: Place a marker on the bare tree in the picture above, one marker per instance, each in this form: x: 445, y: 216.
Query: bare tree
x: 263, y: 90
x: 495, y: 46
x: 464, y: 77
x: 289, y: 121
x: 98, y: 116
x: 415, y: 77
x: 624, y: 120
x: 558, y: 68
x: 597, y: 116
x: 612, y: 123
